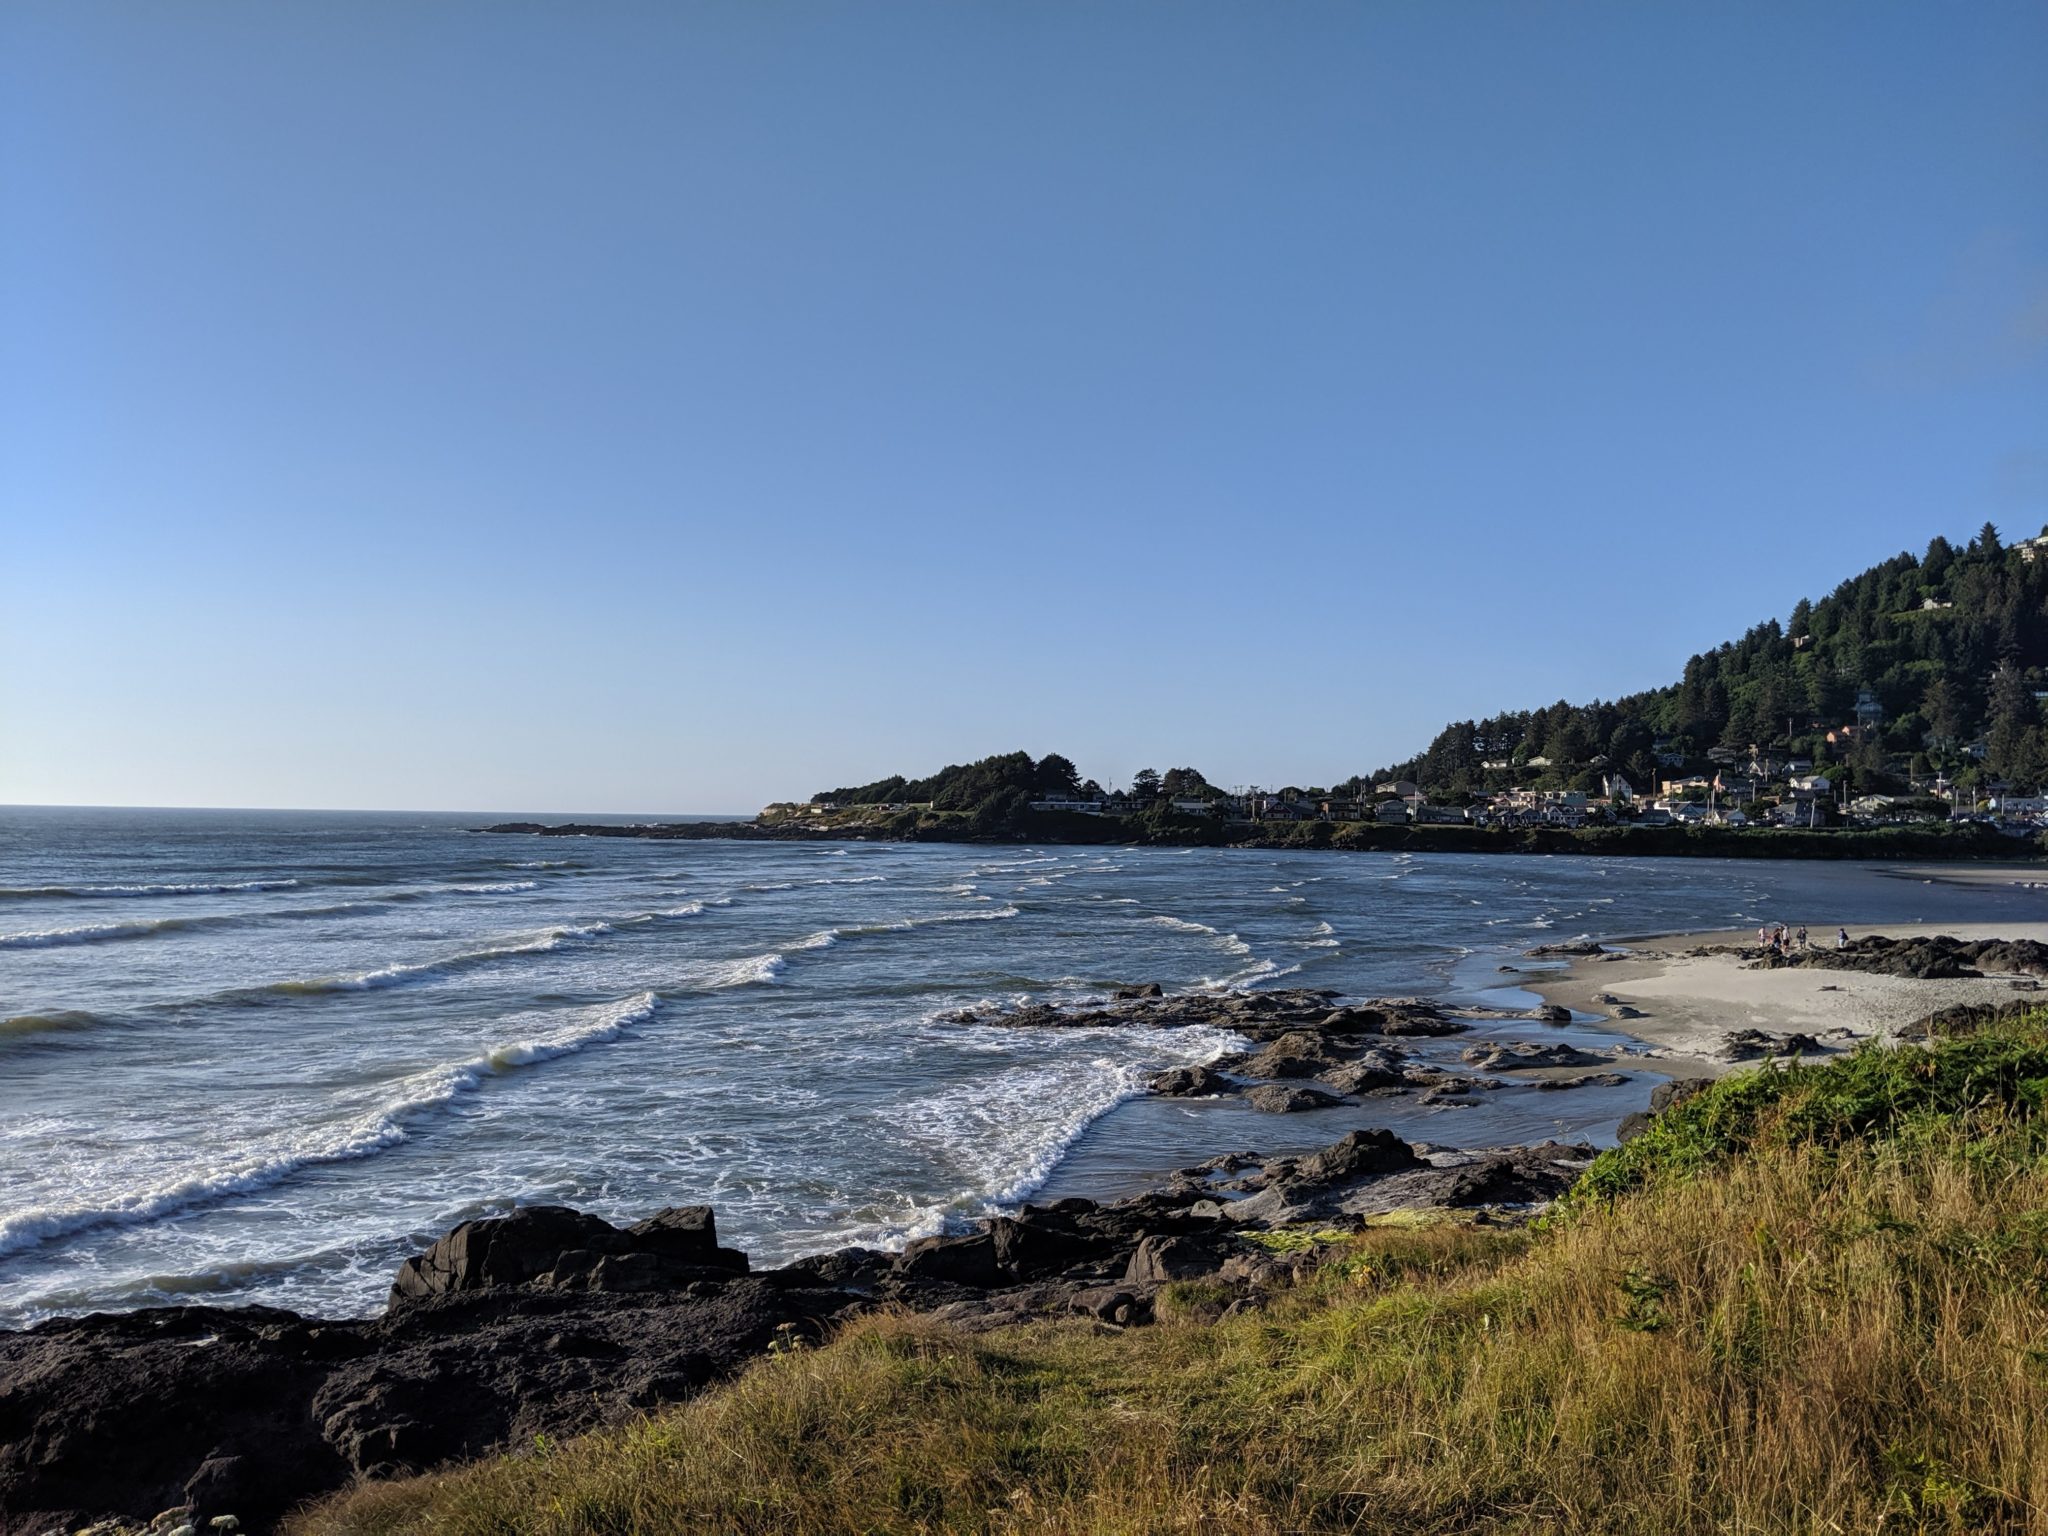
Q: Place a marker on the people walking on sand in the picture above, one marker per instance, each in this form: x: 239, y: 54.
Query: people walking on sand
x: 1841, y: 938
x: 1802, y: 936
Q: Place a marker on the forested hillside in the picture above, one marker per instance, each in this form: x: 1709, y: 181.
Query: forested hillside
x: 1952, y: 643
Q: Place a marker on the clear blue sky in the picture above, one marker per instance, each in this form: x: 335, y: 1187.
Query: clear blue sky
x: 672, y: 406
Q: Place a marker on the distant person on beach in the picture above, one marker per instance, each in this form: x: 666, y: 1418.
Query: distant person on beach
x: 1802, y: 937
x: 1841, y: 938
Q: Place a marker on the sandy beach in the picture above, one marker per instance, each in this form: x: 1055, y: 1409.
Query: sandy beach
x: 1689, y: 1004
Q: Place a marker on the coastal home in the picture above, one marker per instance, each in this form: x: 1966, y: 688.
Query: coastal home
x: 1392, y: 812
x: 1188, y: 805
x: 2032, y: 549
x: 1694, y: 783
x: 1273, y: 808
x: 1436, y: 815
x: 1619, y: 790
x: 1070, y: 803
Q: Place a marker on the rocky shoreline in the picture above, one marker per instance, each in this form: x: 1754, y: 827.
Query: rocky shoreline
x: 551, y: 1322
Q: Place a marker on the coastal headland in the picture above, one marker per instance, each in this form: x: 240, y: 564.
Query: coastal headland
x: 550, y: 1323
x: 1966, y: 842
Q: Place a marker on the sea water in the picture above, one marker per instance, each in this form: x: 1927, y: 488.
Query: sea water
x: 262, y: 1057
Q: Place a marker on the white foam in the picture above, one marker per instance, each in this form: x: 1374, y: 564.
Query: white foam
x: 86, y: 933
x: 748, y: 971
x: 400, y: 975
x: 1180, y: 924
x: 220, y: 888
x: 500, y: 888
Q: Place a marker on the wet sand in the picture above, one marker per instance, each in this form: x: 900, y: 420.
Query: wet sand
x: 1691, y: 1003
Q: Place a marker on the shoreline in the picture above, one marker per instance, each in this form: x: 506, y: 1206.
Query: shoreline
x: 1686, y: 1004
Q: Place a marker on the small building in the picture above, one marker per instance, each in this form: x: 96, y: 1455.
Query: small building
x: 1392, y: 812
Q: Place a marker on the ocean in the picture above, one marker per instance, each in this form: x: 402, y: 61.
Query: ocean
x: 262, y: 1057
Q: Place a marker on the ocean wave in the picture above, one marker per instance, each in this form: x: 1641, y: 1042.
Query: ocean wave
x: 93, y: 933
x: 1180, y: 924
x: 1261, y: 970
x: 142, y: 928
x: 1013, y: 1127
x: 63, y: 1021
x: 279, y: 1157
x: 852, y: 880
x: 97, y: 892
x: 751, y: 971
x: 401, y: 975
x: 933, y: 920
x: 499, y: 888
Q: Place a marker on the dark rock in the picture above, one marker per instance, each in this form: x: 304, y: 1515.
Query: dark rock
x: 1192, y: 1083
x: 1676, y: 1090
x: 509, y: 1250
x: 1751, y: 1044
x: 854, y: 1269
x: 1287, y: 1099
x: 1408, y: 1017
x: 1113, y: 1304
x: 1036, y: 1243
x: 965, y: 1260
x: 688, y: 1233
x: 1632, y: 1126
x: 1566, y: 950
x: 1293, y: 1055
x: 1359, y: 1154
x: 1551, y: 1013
x: 1520, y: 1056
x: 1362, y: 1076
x: 1585, y: 1080
x: 1163, y: 1259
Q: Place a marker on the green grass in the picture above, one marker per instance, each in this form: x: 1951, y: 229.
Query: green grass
x: 1808, y: 1301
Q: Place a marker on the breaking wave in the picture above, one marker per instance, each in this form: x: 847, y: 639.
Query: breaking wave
x: 62, y: 1021
x: 98, y: 892
x: 276, y: 1158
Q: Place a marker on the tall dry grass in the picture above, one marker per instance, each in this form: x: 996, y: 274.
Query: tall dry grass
x: 1810, y: 1338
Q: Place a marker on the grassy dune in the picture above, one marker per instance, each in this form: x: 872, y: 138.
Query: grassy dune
x: 1809, y: 1301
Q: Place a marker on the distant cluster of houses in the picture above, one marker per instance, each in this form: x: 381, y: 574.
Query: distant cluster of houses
x: 1757, y: 786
